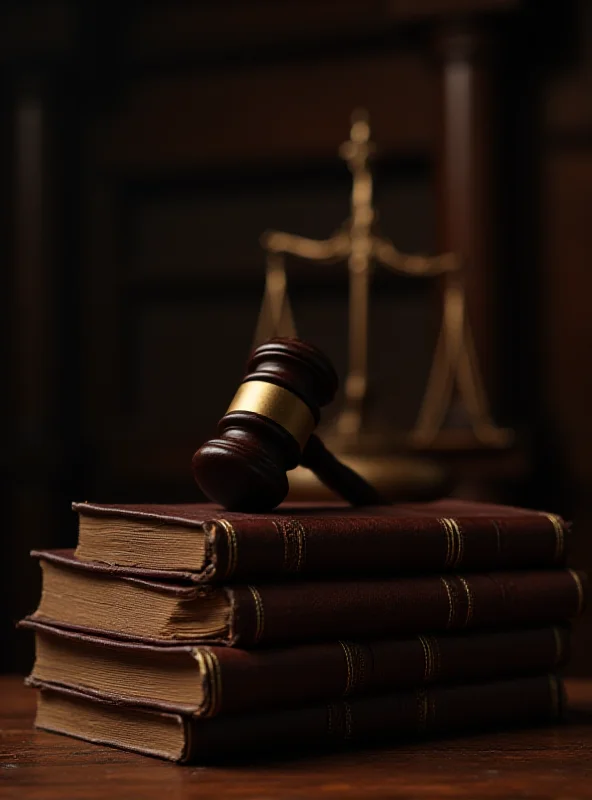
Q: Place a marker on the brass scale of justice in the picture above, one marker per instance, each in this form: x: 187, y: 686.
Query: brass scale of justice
x: 454, y: 362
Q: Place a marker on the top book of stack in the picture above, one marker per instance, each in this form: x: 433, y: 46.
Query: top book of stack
x: 204, y: 543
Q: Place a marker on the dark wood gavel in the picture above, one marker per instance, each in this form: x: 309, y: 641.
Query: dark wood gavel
x: 268, y: 430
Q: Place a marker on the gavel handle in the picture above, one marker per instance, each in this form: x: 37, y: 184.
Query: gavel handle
x: 337, y: 477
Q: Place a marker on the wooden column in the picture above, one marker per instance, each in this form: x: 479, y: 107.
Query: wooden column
x: 465, y: 178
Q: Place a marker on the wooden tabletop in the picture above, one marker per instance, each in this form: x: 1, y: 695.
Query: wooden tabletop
x: 543, y: 764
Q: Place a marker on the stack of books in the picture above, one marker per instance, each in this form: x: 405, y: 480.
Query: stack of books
x: 191, y: 633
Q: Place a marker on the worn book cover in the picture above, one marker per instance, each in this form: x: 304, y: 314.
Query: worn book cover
x: 203, y: 542
x: 384, y: 717
x: 132, y: 603
x: 207, y: 681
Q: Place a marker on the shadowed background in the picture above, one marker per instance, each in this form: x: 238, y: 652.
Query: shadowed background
x: 146, y: 147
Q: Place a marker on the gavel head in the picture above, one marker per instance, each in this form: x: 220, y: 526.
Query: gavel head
x: 267, y: 425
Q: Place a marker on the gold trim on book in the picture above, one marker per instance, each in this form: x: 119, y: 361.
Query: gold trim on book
x: 559, y: 535
x: 355, y: 662
x: 580, y: 588
x: 426, y: 658
x: 461, y: 545
x: 460, y: 542
x: 293, y: 535
x: 232, y: 544
x: 454, y: 542
x: 451, y: 608
x: 210, y: 668
x: 443, y: 524
x: 277, y: 404
x: 259, y: 612
x: 217, y: 672
x: 467, y: 589
x: 429, y: 660
x: 345, y: 646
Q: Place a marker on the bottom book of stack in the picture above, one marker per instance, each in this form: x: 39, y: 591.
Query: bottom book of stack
x: 200, y: 703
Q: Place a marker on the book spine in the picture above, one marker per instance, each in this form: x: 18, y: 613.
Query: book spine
x: 299, y: 612
x: 237, y: 681
x: 383, y: 717
x: 264, y: 547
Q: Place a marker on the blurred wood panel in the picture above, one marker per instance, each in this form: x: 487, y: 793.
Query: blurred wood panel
x: 182, y: 232
x: 566, y: 235
x: 569, y: 109
x: 568, y: 99
x: 187, y: 128
x: 566, y: 244
x: 33, y: 29
x: 180, y: 27
x: 568, y: 293
x: 195, y: 120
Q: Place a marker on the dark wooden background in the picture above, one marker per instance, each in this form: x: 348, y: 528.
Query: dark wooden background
x: 146, y: 146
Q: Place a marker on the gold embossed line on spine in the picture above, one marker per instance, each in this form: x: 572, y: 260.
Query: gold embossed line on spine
x: 355, y: 664
x: 451, y: 605
x: 209, y: 667
x: 345, y: 646
x: 430, y: 665
x: 232, y: 545
x: 580, y: 589
x: 432, y: 657
x: 460, y: 543
x: 259, y: 614
x: 454, y: 542
x: 559, y: 535
x: 278, y: 404
x: 293, y: 536
x: 469, y: 594
x: 446, y: 529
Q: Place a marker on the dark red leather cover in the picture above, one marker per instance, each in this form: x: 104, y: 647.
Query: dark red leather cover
x: 274, y: 614
x: 386, y: 717
x: 338, y: 540
x: 312, y: 611
x: 404, y: 715
x: 245, y: 680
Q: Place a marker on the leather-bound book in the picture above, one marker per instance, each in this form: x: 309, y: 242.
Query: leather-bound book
x: 387, y: 717
x: 132, y: 603
x: 207, y: 543
x: 207, y: 681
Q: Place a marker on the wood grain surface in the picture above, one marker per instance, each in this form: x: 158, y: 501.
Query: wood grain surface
x: 549, y: 764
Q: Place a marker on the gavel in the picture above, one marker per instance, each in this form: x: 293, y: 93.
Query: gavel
x: 268, y: 429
